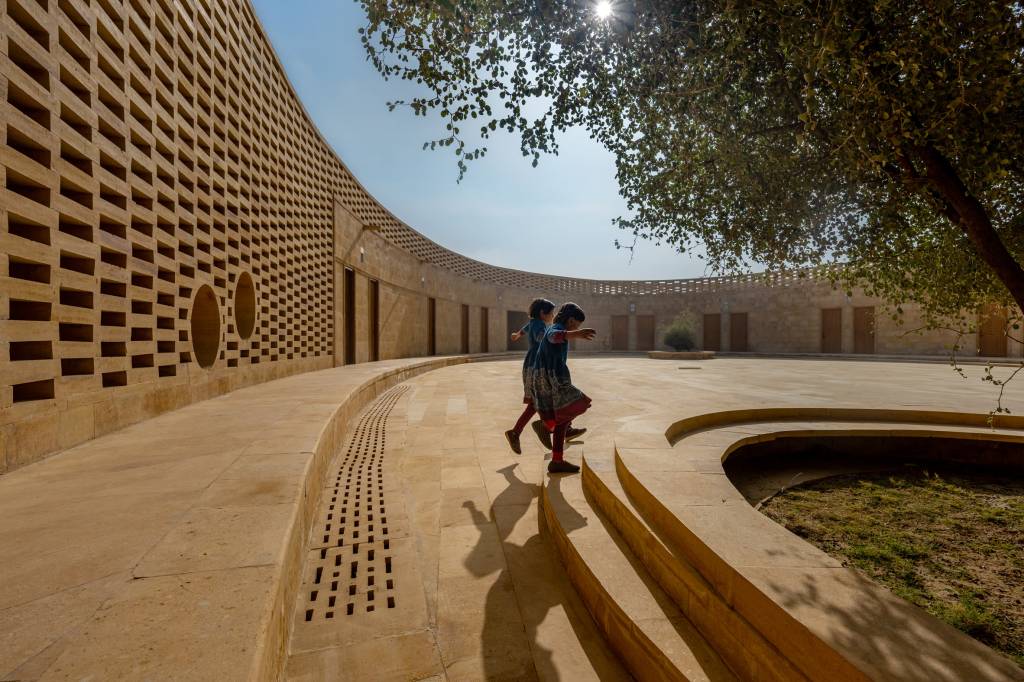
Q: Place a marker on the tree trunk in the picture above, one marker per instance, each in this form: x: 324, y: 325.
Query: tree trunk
x: 965, y: 211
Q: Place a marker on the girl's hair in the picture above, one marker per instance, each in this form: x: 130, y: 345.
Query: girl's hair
x: 540, y: 306
x: 569, y: 311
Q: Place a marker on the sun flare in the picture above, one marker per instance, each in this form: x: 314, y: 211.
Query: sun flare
x: 603, y: 9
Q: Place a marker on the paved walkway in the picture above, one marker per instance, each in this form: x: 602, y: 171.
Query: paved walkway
x: 166, y: 550
x: 497, y: 605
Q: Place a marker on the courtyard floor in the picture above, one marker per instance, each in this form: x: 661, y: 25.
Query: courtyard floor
x: 480, y: 594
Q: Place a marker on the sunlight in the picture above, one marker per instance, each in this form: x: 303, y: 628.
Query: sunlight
x: 603, y: 9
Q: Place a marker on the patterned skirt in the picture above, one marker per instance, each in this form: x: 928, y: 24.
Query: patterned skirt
x: 527, y: 396
x: 556, y: 399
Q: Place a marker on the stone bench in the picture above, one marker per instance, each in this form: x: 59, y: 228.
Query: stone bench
x: 170, y: 549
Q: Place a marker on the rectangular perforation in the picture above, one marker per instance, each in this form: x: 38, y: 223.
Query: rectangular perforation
x: 30, y: 350
x: 33, y: 390
x: 35, y: 311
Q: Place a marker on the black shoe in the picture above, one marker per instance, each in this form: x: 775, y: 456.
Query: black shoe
x: 513, y: 441
x: 542, y: 433
x: 562, y: 467
x: 574, y: 433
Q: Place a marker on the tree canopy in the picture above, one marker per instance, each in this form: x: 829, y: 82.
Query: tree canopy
x: 882, y: 138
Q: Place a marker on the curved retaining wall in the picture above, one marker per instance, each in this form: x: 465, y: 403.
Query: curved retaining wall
x: 772, y: 605
x: 175, y: 227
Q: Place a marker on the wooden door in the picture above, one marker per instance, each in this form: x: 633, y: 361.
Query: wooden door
x: 374, y: 320
x: 484, y: 330
x: 514, y: 321
x: 464, y: 345
x: 832, y: 330
x: 992, y: 331
x: 712, y: 332
x: 350, y: 316
x: 864, y: 329
x: 645, y: 332
x: 620, y: 332
x: 738, y: 333
x: 432, y: 327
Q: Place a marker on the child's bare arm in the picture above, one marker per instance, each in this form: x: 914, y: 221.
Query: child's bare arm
x: 585, y: 333
x: 516, y: 335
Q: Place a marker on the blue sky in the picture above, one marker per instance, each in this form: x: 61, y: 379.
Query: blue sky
x: 555, y: 218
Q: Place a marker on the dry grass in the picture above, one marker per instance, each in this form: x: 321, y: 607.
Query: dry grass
x: 949, y: 541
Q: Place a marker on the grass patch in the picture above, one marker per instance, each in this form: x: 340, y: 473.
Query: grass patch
x: 949, y: 541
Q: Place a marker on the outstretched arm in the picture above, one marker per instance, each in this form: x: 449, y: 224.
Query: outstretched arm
x: 561, y: 335
x: 585, y: 333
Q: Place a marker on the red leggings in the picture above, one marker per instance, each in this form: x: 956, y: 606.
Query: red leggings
x: 524, y: 418
x: 558, y: 441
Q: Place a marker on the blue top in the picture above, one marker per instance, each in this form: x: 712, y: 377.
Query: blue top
x: 534, y: 331
x: 553, y: 353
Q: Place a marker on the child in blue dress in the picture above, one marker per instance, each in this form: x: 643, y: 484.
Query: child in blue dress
x: 542, y: 311
x: 554, y: 397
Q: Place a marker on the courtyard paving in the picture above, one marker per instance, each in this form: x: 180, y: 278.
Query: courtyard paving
x: 497, y: 605
x: 157, y: 551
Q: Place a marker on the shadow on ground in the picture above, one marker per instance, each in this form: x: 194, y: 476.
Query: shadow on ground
x: 532, y: 567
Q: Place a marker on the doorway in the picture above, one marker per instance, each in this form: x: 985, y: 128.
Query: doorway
x: 464, y: 345
x: 864, y: 330
x: 484, y: 328
x: 374, y: 320
x: 832, y: 330
x: 620, y: 332
x: 738, y: 333
x: 432, y: 327
x: 645, y: 332
x: 350, y: 316
x: 992, y: 321
x: 712, y: 331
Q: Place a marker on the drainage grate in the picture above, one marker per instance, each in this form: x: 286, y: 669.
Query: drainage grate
x: 353, y: 574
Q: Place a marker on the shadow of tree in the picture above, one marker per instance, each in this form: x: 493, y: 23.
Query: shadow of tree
x: 886, y: 636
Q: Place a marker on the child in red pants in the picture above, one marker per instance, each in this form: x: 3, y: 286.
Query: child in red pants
x: 555, y: 398
x: 542, y: 311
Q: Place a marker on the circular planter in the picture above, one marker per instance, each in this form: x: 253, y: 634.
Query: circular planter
x: 681, y: 355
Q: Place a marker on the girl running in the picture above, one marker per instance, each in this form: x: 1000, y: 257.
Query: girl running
x: 555, y: 398
x: 542, y: 311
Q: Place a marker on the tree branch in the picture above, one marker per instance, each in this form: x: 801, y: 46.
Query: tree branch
x: 965, y: 211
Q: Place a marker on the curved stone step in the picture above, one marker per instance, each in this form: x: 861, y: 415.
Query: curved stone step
x: 731, y: 635
x: 825, y: 619
x: 639, y: 621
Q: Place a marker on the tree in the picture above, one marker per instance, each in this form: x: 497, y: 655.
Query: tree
x: 680, y: 333
x: 880, y: 138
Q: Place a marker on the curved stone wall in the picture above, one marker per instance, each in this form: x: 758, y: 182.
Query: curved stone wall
x: 154, y: 149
